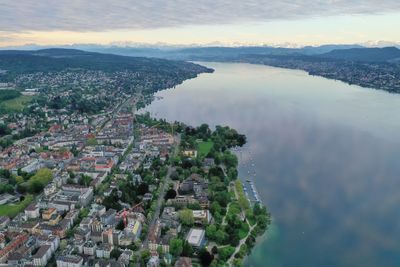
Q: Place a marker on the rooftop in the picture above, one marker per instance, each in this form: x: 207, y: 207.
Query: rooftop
x: 195, y: 236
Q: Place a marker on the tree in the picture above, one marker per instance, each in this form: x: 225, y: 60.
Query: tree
x: 220, y: 236
x: 215, y: 208
x: 205, y: 257
x: 69, y: 233
x: 176, y: 246
x: 4, y: 130
x: 5, y: 173
x: 85, y: 180
x: 111, y: 201
x: 6, y: 188
x: 171, y: 193
x: 143, y: 188
x: 35, y: 187
x: 91, y: 141
x: 38, y: 181
x: 187, y: 250
x: 19, y: 179
x: 186, y: 217
x: 210, y: 231
x: 160, y: 250
x: 115, y: 253
x: 225, y: 253
x: 120, y: 225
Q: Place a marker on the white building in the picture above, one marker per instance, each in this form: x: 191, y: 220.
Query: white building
x: 42, y: 256
x: 50, y: 189
x: 69, y: 261
x: 196, y: 237
x: 33, y: 166
x: 202, y: 216
x: 89, y: 248
x: 32, y: 211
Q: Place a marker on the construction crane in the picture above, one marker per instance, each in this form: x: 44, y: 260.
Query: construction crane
x: 124, y: 213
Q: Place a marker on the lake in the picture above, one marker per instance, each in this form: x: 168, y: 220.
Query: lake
x: 325, y: 156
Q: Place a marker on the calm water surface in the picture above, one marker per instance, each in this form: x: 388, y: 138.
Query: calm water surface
x: 326, y: 157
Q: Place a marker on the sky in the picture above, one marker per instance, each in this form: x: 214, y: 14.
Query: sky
x: 199, y: 22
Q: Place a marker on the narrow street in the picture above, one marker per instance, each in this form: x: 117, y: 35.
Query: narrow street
x: 160, y: 201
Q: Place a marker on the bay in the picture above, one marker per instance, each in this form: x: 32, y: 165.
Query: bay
x: 325, y: 157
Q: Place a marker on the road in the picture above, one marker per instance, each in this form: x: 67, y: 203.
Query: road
x: 160, y: 201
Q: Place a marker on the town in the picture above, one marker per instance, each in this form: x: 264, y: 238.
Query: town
x: 117, y: 188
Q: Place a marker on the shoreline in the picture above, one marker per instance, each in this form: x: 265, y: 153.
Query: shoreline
x: 256, y: 230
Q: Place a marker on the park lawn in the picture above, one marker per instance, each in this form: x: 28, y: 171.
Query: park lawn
x: 204, y: 147
x: 252, y: 220
x: 11, y: 210
x: 16, y: 104
x: 244, y: 230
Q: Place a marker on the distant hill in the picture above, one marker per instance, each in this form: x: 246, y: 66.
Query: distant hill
x: 189, y: 53
x: 365, y: 54
x: 218, y: 51
x: 56, y: 59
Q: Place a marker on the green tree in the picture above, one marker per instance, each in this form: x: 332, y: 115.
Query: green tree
x: 91, y: 141
x: 220, y: 236
x: 115, y: 253
x: 186, y: 217
x: 85, y: 180
x: 210, y: 231
x: 225, y: 253
x: 176, y: 246
x: 187, y: 250
x: 205, y: 257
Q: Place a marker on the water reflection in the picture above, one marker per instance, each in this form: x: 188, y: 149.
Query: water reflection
x: 325, y: 154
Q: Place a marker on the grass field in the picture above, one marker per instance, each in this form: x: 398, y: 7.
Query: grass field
x: 11, y: 210
x: 16, y: 104
x: 244, y: 230
x: 204, y: 147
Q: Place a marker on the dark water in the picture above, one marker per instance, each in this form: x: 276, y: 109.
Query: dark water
x: 325, y: 154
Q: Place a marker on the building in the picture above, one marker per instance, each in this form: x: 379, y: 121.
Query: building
x: 104, y: 250
x: 183, y: 262
x: 32, y: 211
x: 52, y: 240
x: 4, y: 220
x: 10, y: 248
x: 202, y: 216
x: 69, y: 261
x: 196, y: 237
x: 33, y: 166
x: 42, y: 256
x: 112, y: 237
x: 89, y: 248
x: 133, y: 229
x: 108, y: 217
x: 154, y: 235
x: 7, y: 198
x: 50, y: 189
x: 47, y: 214
x: 126, y: 256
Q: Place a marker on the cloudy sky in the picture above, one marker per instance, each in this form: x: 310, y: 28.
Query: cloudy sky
x: 230, y: 22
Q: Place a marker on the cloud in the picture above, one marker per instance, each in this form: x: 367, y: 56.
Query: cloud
x: 103, y: 15
x: 7, y: 37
